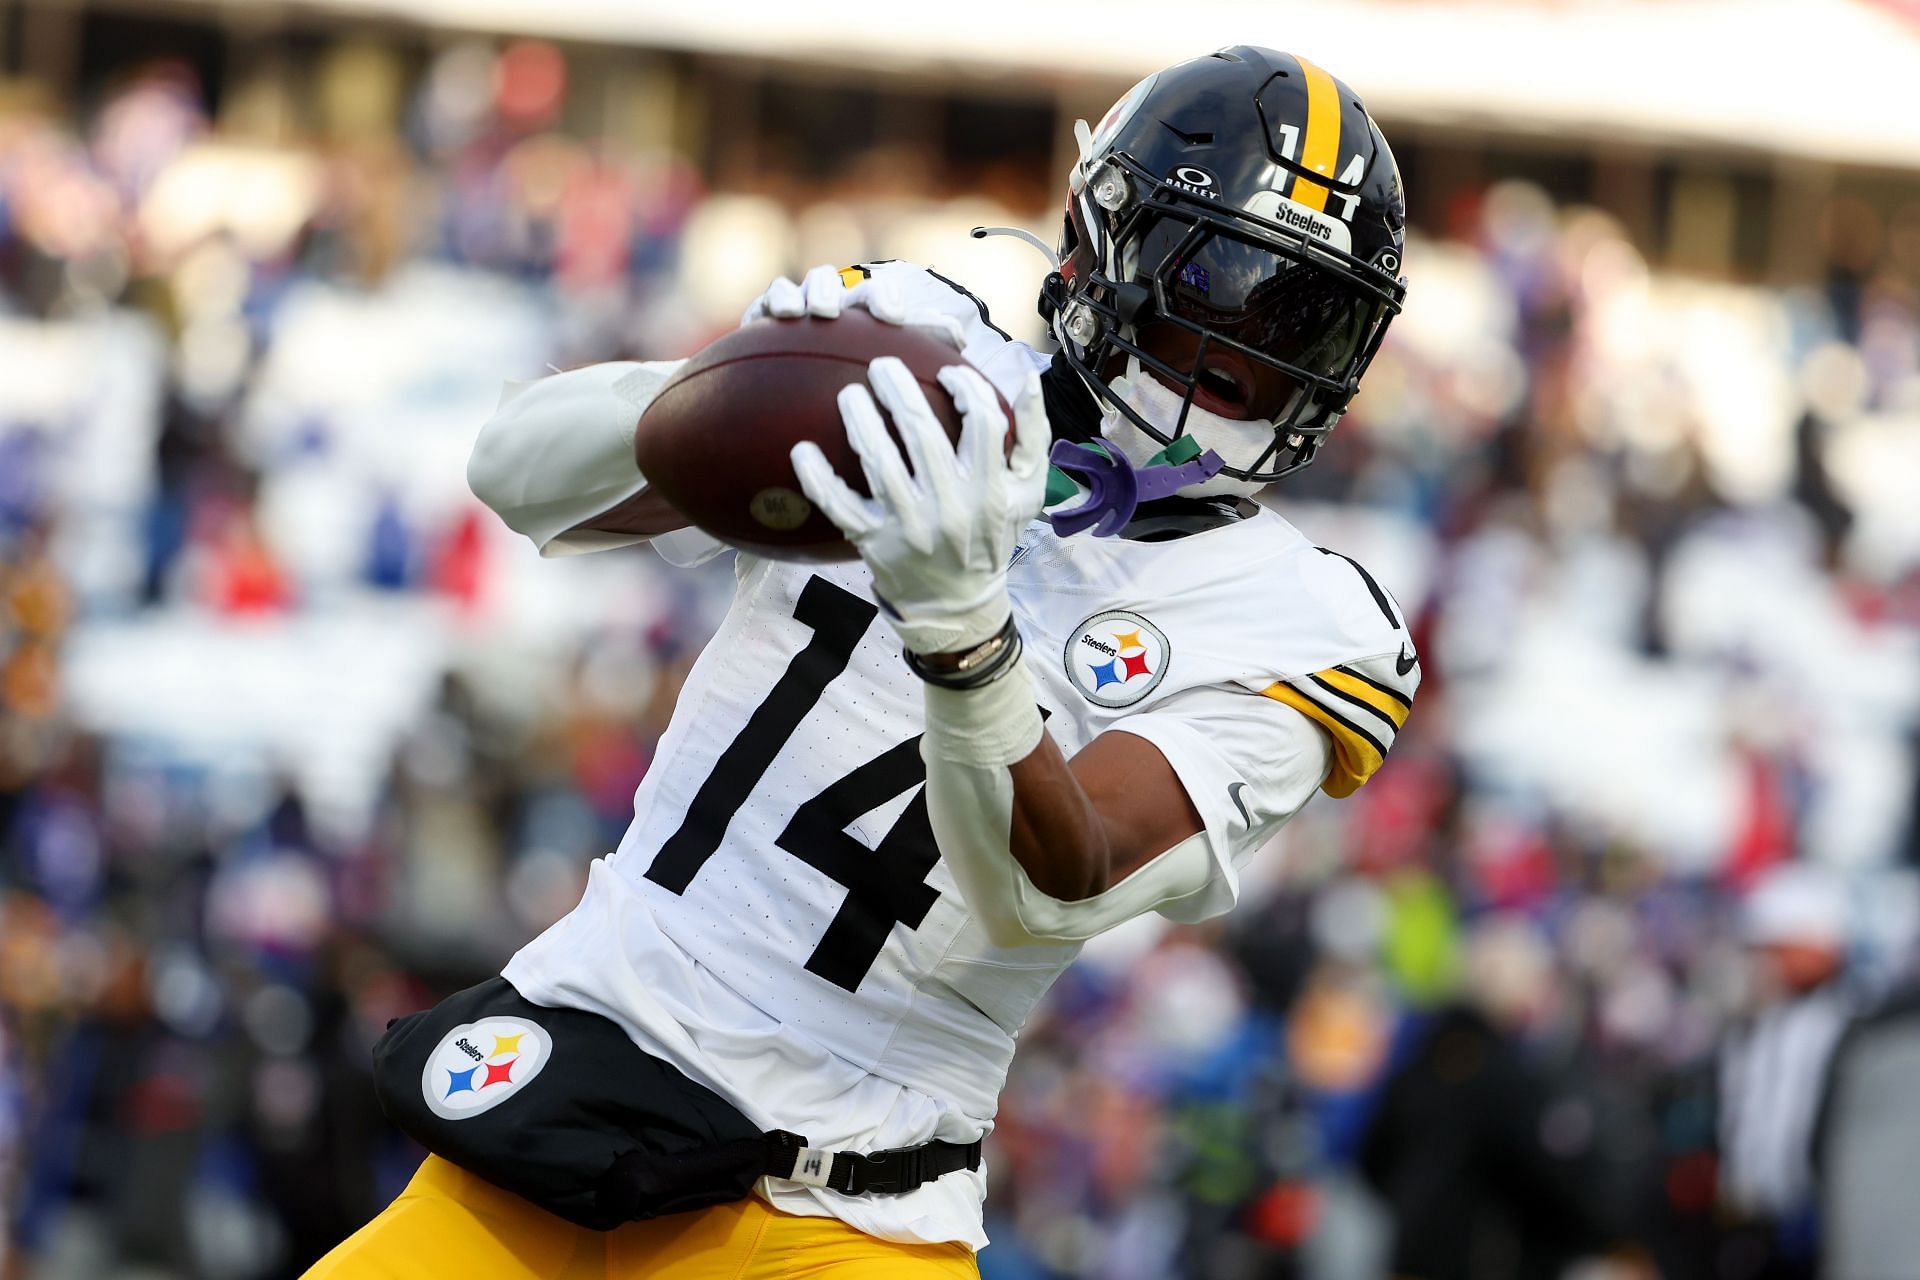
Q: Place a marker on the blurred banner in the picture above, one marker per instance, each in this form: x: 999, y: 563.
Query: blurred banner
x: 1753, y: 75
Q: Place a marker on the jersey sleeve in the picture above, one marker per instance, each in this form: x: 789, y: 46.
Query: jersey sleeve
x: 1361, y: 706
x: 558, y: 451
x: 1351, y: 670
x: 1247, y: 763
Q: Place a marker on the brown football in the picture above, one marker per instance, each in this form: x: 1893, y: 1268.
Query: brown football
x: 715, y: 441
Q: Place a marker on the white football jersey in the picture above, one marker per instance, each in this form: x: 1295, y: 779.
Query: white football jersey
x: 778, y: 921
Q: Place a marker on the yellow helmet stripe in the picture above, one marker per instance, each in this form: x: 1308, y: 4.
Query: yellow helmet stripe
x: 1320, y: 148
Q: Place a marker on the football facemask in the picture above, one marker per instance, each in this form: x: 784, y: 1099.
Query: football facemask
x: 1185, y: 251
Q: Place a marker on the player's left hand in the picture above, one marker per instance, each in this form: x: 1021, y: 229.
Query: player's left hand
x: 937, y: 537
x: 825, y: 293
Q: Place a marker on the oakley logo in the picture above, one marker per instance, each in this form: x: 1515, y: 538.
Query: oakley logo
x: 1189, y: 178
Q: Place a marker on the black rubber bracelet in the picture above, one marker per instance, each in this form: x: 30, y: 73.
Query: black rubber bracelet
x: 996, y: 657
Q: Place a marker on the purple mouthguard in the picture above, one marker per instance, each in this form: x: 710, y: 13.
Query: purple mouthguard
x: 1115, y: 486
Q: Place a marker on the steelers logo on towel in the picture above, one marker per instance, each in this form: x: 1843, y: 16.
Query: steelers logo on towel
x: 1116, y: 658
x: 479, y: 1065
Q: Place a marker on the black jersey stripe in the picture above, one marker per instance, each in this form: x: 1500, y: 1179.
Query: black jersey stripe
x: 1357, y: 731
x: 1350, y: 700
x: 1404, y: 699
x: 1379, y: 597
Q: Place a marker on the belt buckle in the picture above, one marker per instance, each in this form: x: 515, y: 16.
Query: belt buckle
x: 876, y: 1177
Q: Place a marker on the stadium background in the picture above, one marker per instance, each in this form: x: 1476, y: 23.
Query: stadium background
x: 294, y: 735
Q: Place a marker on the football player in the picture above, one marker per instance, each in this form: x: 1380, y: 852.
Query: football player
x: 772, y: 1035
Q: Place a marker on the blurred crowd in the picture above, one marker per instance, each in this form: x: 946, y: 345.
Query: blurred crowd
x: 1607, y: 970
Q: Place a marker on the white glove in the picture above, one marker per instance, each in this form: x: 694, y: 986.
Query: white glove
x: 938, y: 539
x: 825, y: 293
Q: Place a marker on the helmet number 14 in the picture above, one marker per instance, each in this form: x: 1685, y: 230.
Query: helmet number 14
x: 1356, y: 167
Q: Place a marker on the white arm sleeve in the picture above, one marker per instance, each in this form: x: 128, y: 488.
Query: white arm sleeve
x: 1248, y: 763
x: 1215, y: 740
x: 559, y: 451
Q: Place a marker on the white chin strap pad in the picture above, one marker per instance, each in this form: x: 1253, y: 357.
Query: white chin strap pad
x: 1238, y: 443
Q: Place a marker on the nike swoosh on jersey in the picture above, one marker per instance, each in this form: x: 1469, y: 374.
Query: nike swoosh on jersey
x: 1233, y: 793
x: 1405, y: 662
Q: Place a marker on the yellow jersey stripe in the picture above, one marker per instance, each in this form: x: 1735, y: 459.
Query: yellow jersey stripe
x: 1320, y: 148
x: 1388, y: 707
x: 1356, y: 756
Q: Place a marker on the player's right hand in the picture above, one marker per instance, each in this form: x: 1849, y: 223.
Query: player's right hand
x: 824, y: 293
x: 937, y: 536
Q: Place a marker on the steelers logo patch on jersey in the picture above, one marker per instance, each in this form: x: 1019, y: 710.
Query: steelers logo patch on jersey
x: 479, y: 1065
x: 1117, y: 658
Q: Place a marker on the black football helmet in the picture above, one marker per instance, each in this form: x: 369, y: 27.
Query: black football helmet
x: 1236, y: 224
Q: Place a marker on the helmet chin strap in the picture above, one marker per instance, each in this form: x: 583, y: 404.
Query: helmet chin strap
x: 1224, y: 437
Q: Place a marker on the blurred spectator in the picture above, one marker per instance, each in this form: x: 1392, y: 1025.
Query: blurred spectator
x: 1773, y: 1071
x: 1488, y: 1166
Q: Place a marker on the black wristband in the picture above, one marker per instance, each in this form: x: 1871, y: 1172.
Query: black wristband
x: 979, y: 666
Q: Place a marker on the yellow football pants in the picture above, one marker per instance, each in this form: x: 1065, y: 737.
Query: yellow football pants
x: 449, y: 1222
